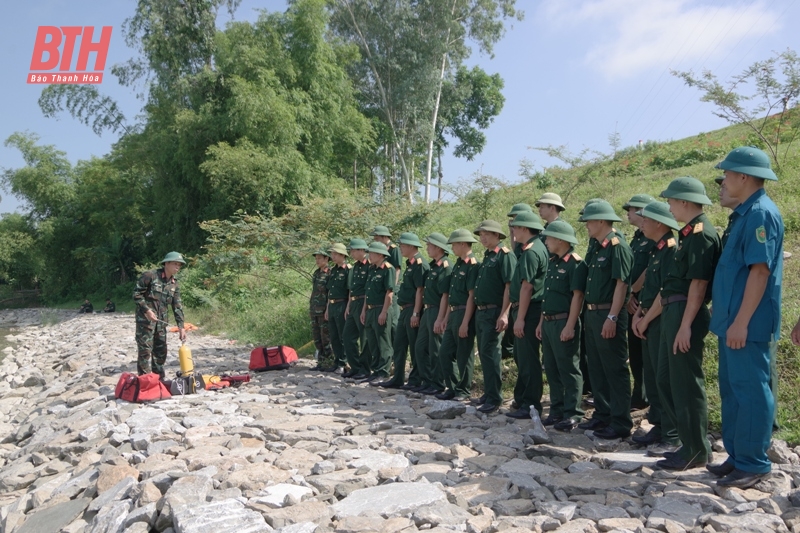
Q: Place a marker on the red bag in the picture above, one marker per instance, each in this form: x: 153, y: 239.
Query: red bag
x: 272, y: 358
x: 140, y: 389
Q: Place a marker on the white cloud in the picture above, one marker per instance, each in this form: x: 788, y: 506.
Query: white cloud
x: 627, y: 36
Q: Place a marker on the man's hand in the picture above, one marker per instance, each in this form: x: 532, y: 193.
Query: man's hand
x: 633, y: 305
x: 151, y: 316
x: 363, y: 318
x: 463, y: 331
x: 519, y: 328
x: 438, y: 327
x: 736, y: 336
x: 683, y: 340
x: 539, y: 331
x: 182, y: 334
x: 609, y: 330
x: 639, y: 327
x: 567, y: 334
x: 325, y: 316
x: 382, y: 318
x: 502, y: 323
x: 414, y: 321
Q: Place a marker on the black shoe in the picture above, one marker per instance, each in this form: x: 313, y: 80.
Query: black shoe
x: 552, y: 420
x: 337, y: 370
x: 676, y: 463
x: 446, y: 395
x: 317, y: 368
x: 487, y: 408
x: 651, y: 437
x: 566, y: 425
x: 608, y: 433
x: 592, y: 424
x: 359, y: 377
x: 722, y: 469
x: 478, y: 401
x: 514, y: 404
x: 741, y: 479
x: 589, y: 401
x: 380, y: 382
x: 390, y: 384
x: 519, y: 413
x: 409, y: 386
x: 461, y: 398
x: 419, y: 388
x: 662, y: 449
x: 638, y: 406
x: 431, y: 391
x: 348, y: 374
x: 375, y: 377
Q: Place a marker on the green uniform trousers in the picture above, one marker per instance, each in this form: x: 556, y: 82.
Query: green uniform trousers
x: 636, y: 360
x: 336, y: 331
x: 563, y: 369
x: 405, y: 341
x: 428, y: 370
x: 529, y: 362
x: 355, y: 339
x: 608, y: 370
x: 508, y: 343
x: 682, y: 374
x: 489, y: 352
x: 457, y: 355
x: 651, y: 355
x: 379, y: 341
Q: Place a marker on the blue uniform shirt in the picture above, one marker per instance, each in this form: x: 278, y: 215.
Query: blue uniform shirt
x: 756, y: 236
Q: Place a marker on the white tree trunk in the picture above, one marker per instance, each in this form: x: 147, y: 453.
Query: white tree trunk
x: 433, y: 129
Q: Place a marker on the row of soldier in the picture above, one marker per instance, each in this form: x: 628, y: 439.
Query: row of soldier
x: 550, y: 299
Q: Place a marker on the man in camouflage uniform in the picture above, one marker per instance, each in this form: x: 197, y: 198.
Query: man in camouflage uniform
x: 155, y: 292
x: 316, y: 310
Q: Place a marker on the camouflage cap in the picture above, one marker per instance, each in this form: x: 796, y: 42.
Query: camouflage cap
x: 358, y: 244
x: 516, y: 209
x: 339, y: 248
x: 600, y: 210
x: 560, y: 229
x: 490, y: 225
x: 638, y: 200
x: 461, y: 235
x: 688, y: 189
x: 659, y: 211
x: 378, y: 248
x: 410, y: 239
x: 383, y: 231
x: 528, y: 220
x: 750, y: 161
x: 173, y: 256
x: 552, y: 199
x: 439, y: 240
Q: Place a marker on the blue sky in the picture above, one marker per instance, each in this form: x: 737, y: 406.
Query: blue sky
x: 575, y: 71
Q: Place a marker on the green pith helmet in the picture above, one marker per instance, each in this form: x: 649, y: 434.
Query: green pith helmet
x: 688, y: 189
x: 599, y: 210
x: 560, y: 229
x: 490, y: 225
x: 748, y: 160
x: 439, y: 240
x: 659, y: 211
x: 588, y: 202
x: 410, y: 239
x: 516, y: 209
x: 378, y: 248
x: 339, y: 248
x: 461, y: 235
x: 552, y: 199
x: 358, y: 244
x: 383, y: 231
x: 528, y: 220
x: 719, y: 179
x: 322, y: 253
x: 638, y: 200
x: 173, y: 256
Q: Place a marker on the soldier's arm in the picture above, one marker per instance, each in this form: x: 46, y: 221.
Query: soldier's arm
x: 142, y: 285
x: 575, y: 307
x: 753, y: 293
x: 637, y: 285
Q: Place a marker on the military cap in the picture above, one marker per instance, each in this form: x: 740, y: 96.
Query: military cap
x: 410, y: 239
x: 383, y: 231
x: 516, y: 209
x: 339, y: 248
x: 173, y: 256
x: 322, y: 252
x: 378, y: 248
x: 688, y: 189
x: 638, y: 200
x: 552, y: 199
x: 461, y: 235
x: 719, y: 179
x: 589, y: 201
x: 748, y: 160
x: 358, y: 244
x: 560, y: 229
x: 528, y: 220
x: 659, y: 211
x: 437, y: 239
x: 599, y: 210
x: 490, y: 225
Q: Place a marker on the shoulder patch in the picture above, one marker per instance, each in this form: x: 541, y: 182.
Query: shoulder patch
x: 384, y: 265
x: 419, y: 260
x: 761, y: 234
x: 528, y: 246
x: 472, y: 261
x: 505, y: 249
x: 698, y: 227
x: 671, y: 242
x: 392, y: 246
x: 574, y: 256
x: 346, y: 266
x: 445, y: 263
x: 614, y: 241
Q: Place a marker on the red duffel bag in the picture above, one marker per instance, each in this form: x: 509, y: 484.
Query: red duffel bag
x: 140, y: 389
x: 272, y: 358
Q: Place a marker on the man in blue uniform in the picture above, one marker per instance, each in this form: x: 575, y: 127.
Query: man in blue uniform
x: 747, y: 310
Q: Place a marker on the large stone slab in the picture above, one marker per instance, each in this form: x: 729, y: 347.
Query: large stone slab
x: 483, y: 491
x: 149, y: 420
x: 675, y: 510
x: 55, y: 517
x: 276, y: 495
x: 531, y: 468
x: 747, y: 522
x: 394, y: 499
x: 372, y: 459
x: 592, y: 482
x: 224, y: 516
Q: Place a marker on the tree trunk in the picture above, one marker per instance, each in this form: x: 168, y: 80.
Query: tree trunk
x: 355, y: 175
x: 433, y: 128
x: 441, y: 174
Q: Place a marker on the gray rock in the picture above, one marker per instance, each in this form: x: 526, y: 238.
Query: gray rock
x: 780, y: 453
x: 225, y: 516
x: 163, y: 446
x: 149, y: 420
x: 444, y: 409
x: 756, y: 522
x: 389, y: 500
x: 372, y: 459
x: 323, y: 467
x: 675, y: 510
x: 76, y: 485
x: 146, y: 515
x: 626, y: 461
x: 305, y: 527
x: 516, y: 507
x: 482, y: 490
x: 520, y: 466
x: 440, y: 514
x: 561, y: 511
x: 275, y: 496
x: 120, y: 491
x: 596, y: 511
x: 111, y: 519
x: 622, y: 524
x: 592, y: 482
x: 54, y: 518
x: 582, y: 466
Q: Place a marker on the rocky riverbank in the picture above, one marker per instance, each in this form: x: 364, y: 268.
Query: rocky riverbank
x: 299, y: 451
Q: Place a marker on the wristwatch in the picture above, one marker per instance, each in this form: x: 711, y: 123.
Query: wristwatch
x: 414, y: 314
x: 612, y: 318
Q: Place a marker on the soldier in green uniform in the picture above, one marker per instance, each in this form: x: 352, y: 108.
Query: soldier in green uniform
x: 493, y: 304
x: 550, y: 207
x: 409, y: 299
x: 110, y: 306
x: 587, y: 386
x: 376, y: 315
x: 657, y: 225
x: 457, y: 351
x: 508, y: 342
x: 641, y: 247
x: 156, y: 291
x: 435, y: 301
x: 317, y: 304
x: 383, y: 235
x: 559, y: 325
x: 86, y: 307
x: 609, y: 264
x: 525, y: 293
x: 338, y: 297
x: 685, y: 323
x: 355, y: 345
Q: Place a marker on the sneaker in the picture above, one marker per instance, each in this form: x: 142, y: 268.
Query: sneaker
x: 722, y: 469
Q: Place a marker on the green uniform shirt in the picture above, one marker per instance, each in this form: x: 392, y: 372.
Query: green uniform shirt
x: 660, y: 260
x: 395, y: 257
x: 154, y: 291
x: 338, y: 281
x: 564, y: 275
x: 319, y: 291
x: 495, y: 271
x: 413, y: 278
x: 437, y: 281
x: 641, y: 247
x: 610, y: 261
x: 379, y: 282
x: 462, y: 280
x: 698, y: 251
x: 531, y: 267
x: 357, y: 278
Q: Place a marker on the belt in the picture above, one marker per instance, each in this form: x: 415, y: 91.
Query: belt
x: 485, y: 307
x: 672, y: 299
x: 336, y: 301
x: 457, y: 307
x: 514, y: 305
x: 374, y: 306
x: 406, y: 306
x: 557, y: 316
x: 597, y: 307
x: 428, y: 306
x: 353, y: 298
